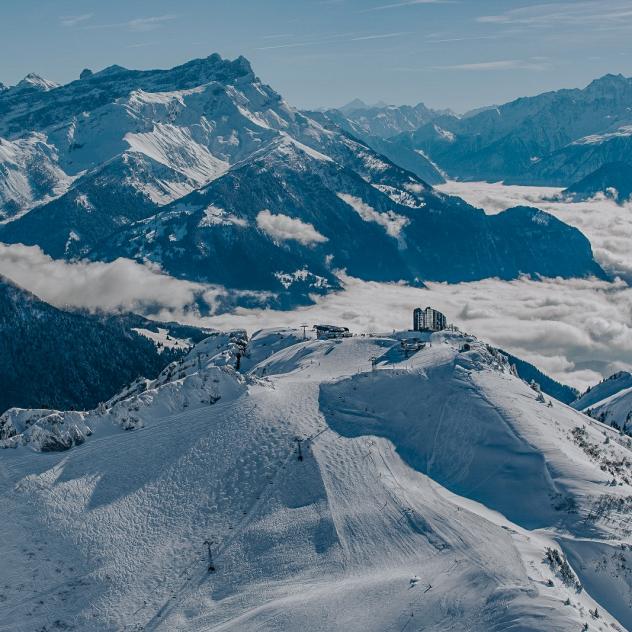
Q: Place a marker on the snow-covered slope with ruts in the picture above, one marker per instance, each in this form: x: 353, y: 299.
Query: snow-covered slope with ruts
x: 434, y: 490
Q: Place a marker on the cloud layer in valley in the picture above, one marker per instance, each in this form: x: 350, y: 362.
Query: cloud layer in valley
x: 577, y: 330
x: 121, y: 285
x: 607, y: 224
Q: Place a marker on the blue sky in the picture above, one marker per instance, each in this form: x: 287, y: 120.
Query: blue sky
x: 447, y: 53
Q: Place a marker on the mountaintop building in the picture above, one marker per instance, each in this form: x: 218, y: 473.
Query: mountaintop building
x: 428, y: 319
x: 326, y: 332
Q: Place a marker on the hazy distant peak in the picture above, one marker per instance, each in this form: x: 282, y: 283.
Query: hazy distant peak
x: 111, y: 70
x: 352, y: 106
x: 608, y: 81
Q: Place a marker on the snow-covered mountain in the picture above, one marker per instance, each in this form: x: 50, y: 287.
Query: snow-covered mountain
x: 29, y: 174
x: 610, y: 401
x: 555, y: 138
x: 55, y: 358
x: 434, y: 489
x: 318, y: 217
x: 378, y: 124
x: 386, y: 120
x: 207, y: 171
x: 31, y: 83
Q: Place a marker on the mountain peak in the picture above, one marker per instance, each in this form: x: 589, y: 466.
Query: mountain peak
x: 608, y: 81
x: 352, y: 106
x: 243, y: 63
x: 239, y: 67
x: 114, y: 69
x: 33, y: 81
x: 211, y: 68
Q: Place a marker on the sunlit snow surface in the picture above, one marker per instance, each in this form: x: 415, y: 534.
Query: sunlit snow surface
x: 427, y: 495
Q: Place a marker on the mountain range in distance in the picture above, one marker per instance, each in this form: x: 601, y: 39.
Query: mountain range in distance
x: 207, y: 172
x: 555, y: 139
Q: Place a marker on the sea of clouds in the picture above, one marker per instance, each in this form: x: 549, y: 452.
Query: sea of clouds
x: 577, y: 330
x: 607, y: 224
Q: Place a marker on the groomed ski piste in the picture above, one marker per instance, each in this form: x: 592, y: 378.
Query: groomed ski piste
x: 434, y: 490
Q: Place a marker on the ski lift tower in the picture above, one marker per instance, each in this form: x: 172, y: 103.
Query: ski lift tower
x: 211, y: 563
x: 304, y: 328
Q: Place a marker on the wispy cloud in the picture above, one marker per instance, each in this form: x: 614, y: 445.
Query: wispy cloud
x: 316, y: 40
x: 502, y: 64
x: 121, y: 285
x: 533, y: 64
x: 408, y: 3
x: 438, y: 39
x: 362, y: 38
x: 288, y: 45
x: 149, y: 24
x: 284, y: 228
x: 74, y: 20
x: 137, y: 25
x: 594, y: 13
x: 142, y: 44
x: 278, y: 36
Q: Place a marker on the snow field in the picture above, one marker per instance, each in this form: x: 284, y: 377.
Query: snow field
x: 429, y: 491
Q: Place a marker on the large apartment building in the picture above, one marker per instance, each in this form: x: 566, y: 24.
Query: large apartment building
x: 428, y: 319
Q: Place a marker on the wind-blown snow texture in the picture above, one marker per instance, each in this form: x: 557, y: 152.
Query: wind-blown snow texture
x: 174, y: 167
x: 429, y: 491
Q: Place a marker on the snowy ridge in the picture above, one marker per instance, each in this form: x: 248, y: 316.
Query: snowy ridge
x: 434, y: 489
x: 552, y: 139
x: 29, y: 175
x: 610, y: 401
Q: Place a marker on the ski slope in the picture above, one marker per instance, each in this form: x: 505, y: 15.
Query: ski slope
x: 429, y: 489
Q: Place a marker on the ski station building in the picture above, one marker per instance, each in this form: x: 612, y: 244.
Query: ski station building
x: 327, y: 332
x: 428, y: 319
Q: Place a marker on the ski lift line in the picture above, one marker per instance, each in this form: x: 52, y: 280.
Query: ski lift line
x: 314, y: 437
x: 158, y: 618
x: 412, y: 615
x: 265, y: 491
